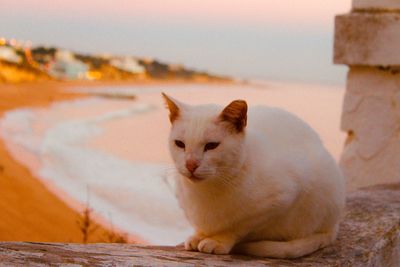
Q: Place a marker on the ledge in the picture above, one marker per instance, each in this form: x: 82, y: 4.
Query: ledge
x: 376, y: 4
x: 367, y: 39
x: 369, y: 236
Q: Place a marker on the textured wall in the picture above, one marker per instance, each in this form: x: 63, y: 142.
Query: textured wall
x: 369, y: 236
x: 368, y: 41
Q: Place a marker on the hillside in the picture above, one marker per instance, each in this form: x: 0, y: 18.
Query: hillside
x: 21, y: 62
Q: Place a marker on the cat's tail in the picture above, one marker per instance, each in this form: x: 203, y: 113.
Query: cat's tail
x: 286, y: 249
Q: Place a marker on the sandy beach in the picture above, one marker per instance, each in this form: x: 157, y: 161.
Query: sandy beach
x: 32, y: 210
x: 115, y: 147
x: 29, y: 211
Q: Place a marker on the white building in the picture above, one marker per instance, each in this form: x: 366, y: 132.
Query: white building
x: 66, y: 66
x: 127, y: 64
x: 9, y: 54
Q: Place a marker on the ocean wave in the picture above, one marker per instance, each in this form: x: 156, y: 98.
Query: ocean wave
x: 137, y: 196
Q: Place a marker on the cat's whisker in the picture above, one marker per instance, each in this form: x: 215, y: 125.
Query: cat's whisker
x: 260, y: 180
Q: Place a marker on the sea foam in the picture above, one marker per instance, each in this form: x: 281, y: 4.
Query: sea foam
x: 137, y: 196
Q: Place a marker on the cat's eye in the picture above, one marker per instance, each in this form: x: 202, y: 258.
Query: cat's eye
x: 179, y: 143
x: 211, y: 146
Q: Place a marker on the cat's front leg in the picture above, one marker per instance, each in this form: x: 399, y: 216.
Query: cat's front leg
x: 217, y: 244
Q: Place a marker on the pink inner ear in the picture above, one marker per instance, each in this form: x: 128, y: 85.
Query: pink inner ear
x: 236, y: 114
x: 173, y: 108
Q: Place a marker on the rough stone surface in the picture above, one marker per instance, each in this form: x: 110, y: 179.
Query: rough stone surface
x: 367, y: 39
x: 387, y: 5
x: 371, y: 117
x: 369, y: 236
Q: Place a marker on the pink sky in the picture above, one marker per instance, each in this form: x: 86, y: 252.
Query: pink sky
x: 308, y: 12
x: 268, y: 39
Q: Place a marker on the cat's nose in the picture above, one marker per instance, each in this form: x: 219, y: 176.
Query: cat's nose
x: 192, y: 165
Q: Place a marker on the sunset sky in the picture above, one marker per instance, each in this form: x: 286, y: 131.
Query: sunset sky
x: 264, y: 39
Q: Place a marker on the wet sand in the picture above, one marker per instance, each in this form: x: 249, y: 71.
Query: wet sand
x: 34, y: 211
x: 29, y: 211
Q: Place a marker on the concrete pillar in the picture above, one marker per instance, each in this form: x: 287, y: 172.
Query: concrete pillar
x: 368, y: 40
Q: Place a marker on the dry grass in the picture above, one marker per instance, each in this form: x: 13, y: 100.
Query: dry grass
x: 87, y: 226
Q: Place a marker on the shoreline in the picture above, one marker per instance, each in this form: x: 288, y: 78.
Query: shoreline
x: 35, y: 210
x: 45, y: 94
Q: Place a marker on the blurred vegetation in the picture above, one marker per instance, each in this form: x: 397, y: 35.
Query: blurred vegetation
x: 38, y: 63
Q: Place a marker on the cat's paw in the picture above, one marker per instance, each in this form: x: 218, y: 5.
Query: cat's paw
x: 212, y: 246
x: 193, y: 242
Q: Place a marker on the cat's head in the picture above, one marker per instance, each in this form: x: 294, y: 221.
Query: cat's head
x: 206, y: 142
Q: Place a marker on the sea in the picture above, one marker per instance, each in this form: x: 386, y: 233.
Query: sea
x: 108, y: 151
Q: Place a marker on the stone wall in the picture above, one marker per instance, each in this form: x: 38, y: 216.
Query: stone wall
x: 368, y: 236
x: 368, y: 41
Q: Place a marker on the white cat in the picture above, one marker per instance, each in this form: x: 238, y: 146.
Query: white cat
x: 265, y: 186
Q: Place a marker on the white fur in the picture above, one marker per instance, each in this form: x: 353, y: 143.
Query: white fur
x: 271, y: 191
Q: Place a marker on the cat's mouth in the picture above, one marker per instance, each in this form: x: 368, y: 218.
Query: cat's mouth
x: 194, y: 178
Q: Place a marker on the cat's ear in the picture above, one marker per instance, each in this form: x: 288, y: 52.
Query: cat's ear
x: 173, y: 106
x: 235, y: 114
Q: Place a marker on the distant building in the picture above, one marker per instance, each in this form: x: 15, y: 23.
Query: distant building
x: 9, y: 54
x: 128, y: 64
x: 66, y: 66
x: 176, y: 67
